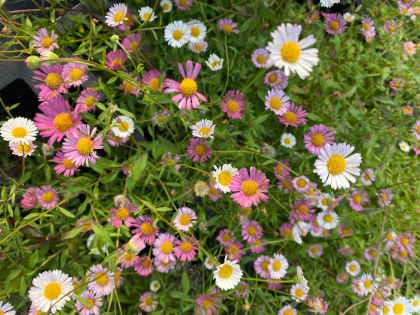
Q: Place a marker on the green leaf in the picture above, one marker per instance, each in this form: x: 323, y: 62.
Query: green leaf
x: 148, y: 204
x: 73, y: 232
x: 182, y: 296
x: 102, y: 233
x: 358, y: 8
x: 185, y: 282
x: 110, y: 257
x: 110, y: 178
x: 163, y: 209
x: 22, y: 287
x: 259, y: 120
x: 112, y: 80
x: 126, y: 113
x: 138, y: 168
x: 313, y: 117
x: 14, y: 106
x: 66, y: 212
x: 99, y: 104
x: 82, y: 300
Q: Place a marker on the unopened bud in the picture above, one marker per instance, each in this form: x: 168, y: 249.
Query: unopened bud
x: 114, y: 38
x: 118, y: 120
x: 134, y: 245
x: 81, y: 29
x: 47, y: 56
x: 33, y: 62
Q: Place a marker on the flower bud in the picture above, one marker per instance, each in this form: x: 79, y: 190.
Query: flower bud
x: 114, y: 38
x: 134, y: 245
x: 33, y: 62
x: 48, y: 55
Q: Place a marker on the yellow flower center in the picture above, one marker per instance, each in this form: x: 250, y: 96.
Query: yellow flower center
x: 48, y: 196
x: 336, y: 164
x: 91, y: 301
x: 86, y: 227
x: 148, y: 301
x: 76, y: 74
x: 390, y: 28
x: 233, y: 249
x: 213, y: 191
x: 286, y: 183
x: 224, y: 178
x: 117, y: 61
x: 84, y: 146
x: 52, y: 291
x: 389, y: 236
x: 317, y: 139
x: 310, y: 192
x: 226, y: 237
x: 403, y: 253
x: 122, y: 214
x: 290, y: 52
x: 272, y: 78
x: 227, y: 28
x: 47, y: 42
x: 188, y: 87
x: 68, y: 163
x: 384, y: 197
x: 260, y: 59
x: 183, y: 3
x: 303, y: 209
x: 372, y: 308
x: 246, y: 211
x: 290, y: 117
x: 409, y: 48
x: 328, y: 218
x: 165, y: 6
x: 146, y: 263
x: 232, y: 106
x: 204, y: 131
x: 415, y: 303
x: 19, y: 132
x: 250, y: 188
x: 75, y: 284
x: 279, y: 169
x: 129, y: 257
x: 275, y: 103
x: 366, y: 26
x: 299, y: 292
x: 300, y: 183
x: 357, y: 199
x: 128, y: 87
x: 128, y: 19
x: 133, y: 46
x: 185, y: 219
x: 252, y: 231
x: 200, y: 149
x: 154, y: 83
x: 197, y: 47
x: 316, y: 223
x: 352, y: 268
x: 186, y: 247
x: 146, y: 16
x: 118, y: 17
x: 287, y: 232
x: 288, y: 312
x: 123, y: 126
x: 264, y: 265
x: 314, y: 249
x: 334, y: 26
x: 53, y: 81
x: 146, y: 228
x: 177, y: 35
x: 207, y: 302
x: 367, y: 284
x: 324, y: 202
x: 372, y: 252
x: 225, y: 272
x: 89, y: 101
x: 215, y: 64
x: 287, y: 141
x: 404, y: 241
x: 26, y: 148
x: 101, y: 278
x: 63, y: 122
x: 195, y: 32
x: 166, y: 247
x: 257, y: 242
x: 277, y: 265
x: 367, y: 177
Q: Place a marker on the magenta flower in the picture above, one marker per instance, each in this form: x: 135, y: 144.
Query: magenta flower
x: 334, y: 25
x: 357, y: 197
x: 199, y: 150
x: 344, y: 231
x: 286, y: 230
x: 280, y: 171
x: 44, y: 41
x: 233, y: 250
x: 303, y: 210
x: 206, y: 305
x: 370, y: 253
x: 186, y: 248
x: 127, y: 22
x: 407, y: 110
x: 313, y: 17
x: 27, y: 149
x: 403, y: 241
x: 122, y: 214
x: 367, y: 177
x: 187, y: 88
x: 368, y: 29
x: 127, y: 259
x: 315, y: 250
x: 29, y: 199
x: 258, y: 246
x: 261, y: 266
x: 234, y: 105
x: 115, y: 141
x: 148, y: 302
x: 249, y: 189
x: 228, y: 26
x: 241, y: 289
x: 47, y: 196
x: 163, y: 247
x: 294, y: 116
x: 79, y: 146
x: 385, y: 197
x: 115, y: 59
x: 276, y: 79
x: 225, y: 237
x: 214, y: 193
x: 405, y: 4
x: 130, y: 88
x: 151, y: 79
x: 131, y: 42
x: 198, y: 47
x: 101, y: 281
x: 251, y: 231
x: 85, y: 101
x: 146, y: 231
x: 57, y: 119
x: 301, y: 184
x: 317, y: 138
x: 87, y: 225
x: 410, y: 48
x: 96, y: 302
x: 260, y: 57
x: 403, y: 255
x: 53, y: 81
x: 168, y: 159
x: 144, y: 266
x: 389, y: 27
x: 75, y: 73
x: 64, y: 165
x: 183, y: 5
x: 164, y: 267
x: 285, y: 185
x: 277, y: 101
x: 184, y: 219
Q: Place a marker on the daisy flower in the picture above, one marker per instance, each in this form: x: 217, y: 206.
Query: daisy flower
x: 187, y: 88
x: 161, y: 118
x: 201, y: 189
x: 7, y: 309
x: 186, y: 249
x: 47, y: 196
x: 53, y: 80
x: 145, y: 229
x: 258, y: 246
x: 348, y: 17
x: 285, y: 185
x: 249, y: 188
x: 205, y: 303
x: 317, y: 138
x: 344, y: 231
x: 367, y: 177
x: 177, y: 34
x: 228, y: 26
x: 45, y: 41
x: 341, y: 277
x: 75, y: 73
x: 281, y: 171
x: 357, y: 287
x: 95, y: 301
x: 22, y: 149
x: 151, y: 79
x: 144, y: 266
x: 29, y: 199
x: 116, y: 14
x: 404, y: 241
x: 301, y: 278
x: 324, y: 200
x: 168, y: 160
x: 298, y: 293
x: 115, y: 59
x: 163, y: 247
x: 385, y: 197
x: 127, y: 22
x: 79, y: 147
x: 233, y: 105
x: 209, y: 263
x: 233, y: 250
x: 302, y: 210
x: 400, y: 306
x: 147, y: 14
x: 288, y: 140
x: 251, y: 231
x: 203, y: 129
x: 130, y: 88
x: 287, y: 310
x: 357, y: 197
x: 131, y: 42
x: 286, y: 51
x: 198, y: 47
x: 223, y: 176
x: 315, y: 250
x: 49, y: 292
x: 227, y: 275
x: 410, y: 48
x: 334, y: 25
x: 19, y: 130
x: 148, y: 302
x: 286, y: 230
x: 277, y: 101
x: 368, y: 29
x: 154, y: 286
x: 261, y: 266
x: 276, y: 79
x: 327, y: 220
x: 293, y: 116
x: 122, y: 214
x: 184, y: 219
x: 389, y: 27
x: 33, y: 310
x: 65, y: 165
x: 134, y: 245
x: 166, y: 6
x: 390, y: 237
x: 370, y: 253
x: 197, y: 31
x: 405, y: 4
x: 416, y: 130
x: 199, y: 150
x: 396, y: 84
x: 278, y: 266
x: 242, y: 289
x: 353, y: 268
x: 225, y: 237
x: 260, y: 58
x: 328, y: 3
x: 214, y: 62
x: 415, y: 302
x: 56, y: 119
x: 401, y: 255
x: 366, y: 283
x: 183, y: 5
x: 163, y: 267
x: 301, y: 184
x: 114, y: 140
x: 124, y: 126
x: 407, y: 110
x: 85, y: 101
x: 214, y: 193
x: 101, y: 280
x: 87, y: 225
x: 404, y: 146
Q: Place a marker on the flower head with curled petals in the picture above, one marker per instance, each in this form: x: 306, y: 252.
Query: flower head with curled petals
x: 145, y: 229
x: 228, y: 26
x: 234, y: 105
x: 251, y: 231
x: 53, y: 79
x: 122, y: 214
x: 199, y: 150
x: 186, y: 248
x: 44, y: 41
x: 86, y: 100
x: 294, y: 116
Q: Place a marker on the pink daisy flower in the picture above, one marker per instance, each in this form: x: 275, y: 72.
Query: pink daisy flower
x: 334, y: 25
x: 44, y: 41
x: 416, y: 130
x: 75, y: 73
x: 233, y: 105
x: 130, y: 88
x: 163, y: 267
x: 144, y: 266
x: 395, y: 84
x: 198, y: 47
x: 225, y: 237
x: 128, y: 22
x: 277, y: 101
x: 287, y: 310
x: 410, y: 48
x: 186, y: 248
x: 47, y: 196
x: 303, y: 210
x: 317, y: 138
x: 301, y: 184
x: 199, y: 150
x: 216, y: 295
x: 357, y: 197
x: 319, y: 302
x: 163, y: 247
x: 390, y: 238
x: 294, y: 116
x: 228, y: 26
x: 79, y: 147
x: 92, y: 299
x: 118, y: 279
x: 407, y: 110
x: 280, y: 171
x: 345, y: 251
x: 85, y: 101
x: 184, y: 5
x: 370, y: 253
x: 27, y: 149
x: 367, y: 177
x: 416, y: 151
x: 53, y: 81
x: 29, y: 199
x: 249, y: 188
x: 184, y: 219
x: 341, y: 277
x: 385, y: 197
x: 258, y: 246
x: 131, y: 42
x: 241, y: 289
x: 260, y: 58
x: 161, y: 118
x: 214, y: 193
x: 148, y: 302
x: 57, y: 119
x: 251, y: 231
x: 389, y: 27
x: 286, y: 230
x: 368, y: 29
x: 276, y: 79
x: 233, y: 250
x: 101, y: 281
x: 114, y: 140
x: 122, y: 214
x: 312, y: 18
x: 151, y: 79
x: 357, y: 287
x: 115, y: 59
x: 168, y: 159
x: 405, y: 4
x: 145, y: 229
x: 187, y: 88
x: 274, y: 284
x: 404, y: 241
x: 261, y: 266
x: 206, y: 305
x: 401, y: 255
x: 87, y: 225
x: 65, y: 165
x: 315, y: 250
x: 344, y: 231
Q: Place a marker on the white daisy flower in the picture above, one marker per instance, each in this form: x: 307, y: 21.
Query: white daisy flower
x: 116, y: 14
x: 328, y: 3
x: 124, y: 127
x: 301, y: 278
x: 366, y: 283
x: 298, y: 293
x: 214, y: 62
x: 227, y: 275
x: 404, y: 146
x: 353, y: 268
x: 6, y: 309
x: 296, y: 234
x: 20, y: 130
x: 328, y: 220
x: 154, y: 286
x: 277, y: 101
x: 336, y: 167
x: 147, y: 14
x: 50, y: 289
x: 288, y: 140
x: 348, y: 17
x: 166, y: 5
x: 209, y: 263
x: 177, y: 34
x: 203, y: 129
x: 400, y: 306
x: 223, y: 176
x: 318, y: 232
x: 288, y: 52
x: 197, y: 31
x: 415, y: 302
x: 323, y: 201
x: 278, y: 266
